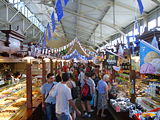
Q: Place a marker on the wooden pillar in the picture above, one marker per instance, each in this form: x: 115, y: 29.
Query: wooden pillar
x: 51, y: 65
x: 113, y: 75
x: 61, y: 64
x: 43, y: 71
x: 56, y: 66
x: 29, y: 85
x: 132, y: 80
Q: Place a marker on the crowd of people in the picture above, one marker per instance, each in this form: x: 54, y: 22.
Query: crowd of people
x: 84, y: 82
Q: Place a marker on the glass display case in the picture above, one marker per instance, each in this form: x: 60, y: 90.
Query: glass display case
x: 13, y: 98
x: 148, y: 91
x: 124, y: 85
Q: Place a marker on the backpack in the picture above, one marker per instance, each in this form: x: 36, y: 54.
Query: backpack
x: 74, y: 92
x: 85, y: 90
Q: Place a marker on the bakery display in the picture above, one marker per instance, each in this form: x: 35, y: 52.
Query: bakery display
x: 13, y: 97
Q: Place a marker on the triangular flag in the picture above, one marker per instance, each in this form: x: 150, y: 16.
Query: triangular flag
x: 44, y: 40
x: 65, y: 2
x: 120, y: 51
x: 53, y: 22
x: 128, y: 41
x: 136, y: 25
x: 49, y: 32
x: 59, y: 10
x: 141, y: 8
x: 154, y: 42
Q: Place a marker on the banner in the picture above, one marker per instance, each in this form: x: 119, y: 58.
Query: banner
x: 59, y: 10
x: 149, y: 58
x: 44, y: 40
x: 140, y: 5
x: 49, y: 32
x: 53, y: 22
x: 65, y: 2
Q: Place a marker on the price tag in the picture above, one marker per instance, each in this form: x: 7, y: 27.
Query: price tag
x: 118, y: 109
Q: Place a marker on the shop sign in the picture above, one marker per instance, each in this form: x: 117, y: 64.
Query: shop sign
x: 111, y: 60
x: 149, y: 58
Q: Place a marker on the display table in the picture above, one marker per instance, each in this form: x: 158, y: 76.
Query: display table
x: 118, y: 115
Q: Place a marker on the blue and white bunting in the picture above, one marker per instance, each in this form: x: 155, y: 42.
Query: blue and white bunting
x: 76, y: 55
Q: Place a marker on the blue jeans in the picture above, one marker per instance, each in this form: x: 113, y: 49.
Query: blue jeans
x: 50, y: 111
x: 62, y: 116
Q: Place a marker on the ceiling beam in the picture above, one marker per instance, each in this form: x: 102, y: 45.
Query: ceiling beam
x: 94, y: 8
x: 126, y: 6
x: 102, y: 17
x: 95, y: 20
x: 78, y: 9
x: 83, y: 41
x: 156, y: 1
x: 86, y: 29
x: 80, y: 36
x: 82, y: 30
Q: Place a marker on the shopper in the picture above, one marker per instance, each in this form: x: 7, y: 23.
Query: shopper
x: 81, y: 77
x: 74, y: 91
x: 16, y: 78
x: 63, y: 96
x: 87, y: 90
x: 65, y: 67
x: 102, y: 95
x: 94, y: 94
x: 48, y: 102
x: 58, y: 76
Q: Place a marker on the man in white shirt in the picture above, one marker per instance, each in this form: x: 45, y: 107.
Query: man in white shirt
x: 63, y: 96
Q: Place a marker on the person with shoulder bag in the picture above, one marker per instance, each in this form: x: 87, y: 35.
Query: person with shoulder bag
x: 48, y: 102
x: 86, y: 95
x: 63, y: 96
x: 74, y: 92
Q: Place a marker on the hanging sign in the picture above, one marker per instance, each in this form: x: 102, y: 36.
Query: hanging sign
x: 149, y: 58
x: 111, y: 60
